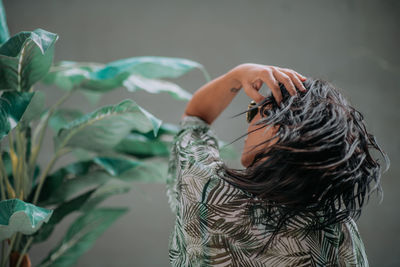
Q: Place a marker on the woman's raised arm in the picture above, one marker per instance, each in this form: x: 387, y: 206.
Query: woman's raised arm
x: 212, y: 98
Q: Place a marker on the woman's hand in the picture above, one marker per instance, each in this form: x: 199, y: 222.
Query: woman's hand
x: 212, y: 98
x: 252, y: 76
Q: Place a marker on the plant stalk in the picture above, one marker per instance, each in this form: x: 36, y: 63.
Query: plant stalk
x: 3, y: 249
x: 46, y: 171
x: 26, y: 247
x: 3, y: 177
x: 36, y: 146
x: 2, y: 191
x: 10, y: 190
x: 8, y: 251
x: 2, y: 174
x: 17, y: 241
x: 14, y: 163
x: 21, y: 162
x: 17, y: 174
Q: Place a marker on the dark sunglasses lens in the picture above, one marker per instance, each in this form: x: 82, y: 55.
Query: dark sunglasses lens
x: 251, y: 113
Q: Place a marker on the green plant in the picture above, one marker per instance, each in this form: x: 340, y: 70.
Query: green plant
x: 113, y: 145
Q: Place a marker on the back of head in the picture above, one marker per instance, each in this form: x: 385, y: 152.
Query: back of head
x: 322, y: 161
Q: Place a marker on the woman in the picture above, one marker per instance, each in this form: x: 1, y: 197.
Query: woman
x: 307, y: 171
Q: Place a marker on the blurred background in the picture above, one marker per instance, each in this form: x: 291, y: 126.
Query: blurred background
x: 351, y: 43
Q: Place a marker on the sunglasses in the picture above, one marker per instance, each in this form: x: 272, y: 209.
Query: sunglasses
x: 251, y: 113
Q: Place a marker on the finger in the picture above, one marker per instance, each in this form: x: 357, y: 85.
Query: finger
x: 285, y: 79
x: 253, y: 93
x: 273, y: 85
x: 297, y: 81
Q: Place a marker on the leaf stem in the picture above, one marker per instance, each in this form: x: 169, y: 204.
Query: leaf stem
x: 3, y: 176
x: 2, y: 185
x: 21, y: 255
x: 3, y: 249
x: 14, y: 162
x: 8, y: 251
x: 10, y: 190
x: 41, y: 130
x: 17, y: 175
x: 17, y: 240
x: 46, y: 171
x: 20, y: 140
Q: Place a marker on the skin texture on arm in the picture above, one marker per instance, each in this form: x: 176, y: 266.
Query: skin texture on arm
x: 212, y: 98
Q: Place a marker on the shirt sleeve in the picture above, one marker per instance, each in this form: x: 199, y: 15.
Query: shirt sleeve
x: 194, y: 159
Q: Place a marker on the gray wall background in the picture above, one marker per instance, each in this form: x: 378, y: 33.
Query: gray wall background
x: 352, y: 43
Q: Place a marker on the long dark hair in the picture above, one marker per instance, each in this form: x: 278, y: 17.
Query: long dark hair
x: 321, y: 165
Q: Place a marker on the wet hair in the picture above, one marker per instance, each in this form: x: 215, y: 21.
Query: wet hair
x: 320, y: 166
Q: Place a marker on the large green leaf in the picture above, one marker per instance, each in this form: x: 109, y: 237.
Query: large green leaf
x: 26, y: 58
x: 81, y: 236
x: 70, y: 186
x: 67, y: 181
x: 70, y: 74
x: 145, y: 145
x: 12, y: 106
x: 137, y: 73
x: 105, y: 127
x: 116, y: 165
x: 4, y: 34
x: 154, y: 86
x: 18, y: 216
x: 142, y: 147
x: 149, y: 67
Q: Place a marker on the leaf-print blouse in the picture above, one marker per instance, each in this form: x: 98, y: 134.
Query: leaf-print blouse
x: 213, y: 225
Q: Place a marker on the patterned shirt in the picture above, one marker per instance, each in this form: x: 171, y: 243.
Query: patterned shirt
x: 213, y: 225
